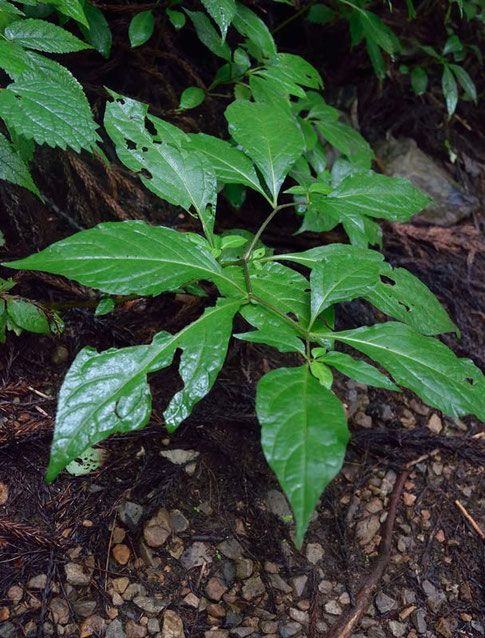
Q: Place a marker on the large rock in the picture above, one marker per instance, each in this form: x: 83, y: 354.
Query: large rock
x: 403, y: 158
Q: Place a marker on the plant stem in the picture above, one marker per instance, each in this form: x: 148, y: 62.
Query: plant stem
x: 262, y: 228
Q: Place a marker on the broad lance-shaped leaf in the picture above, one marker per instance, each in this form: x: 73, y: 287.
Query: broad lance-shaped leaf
x: 123, y: 258
x: 204, y: 350
x: 182, y: 177
x: 358, y: 370
x: 13, y: 168
x: 254, y: 29
x: 281, y: 337
x: 47, y: 104
x: 347, y: 140
x: 406, y: 298
x: 270, y: 136
x: 208, y: 35
x: 341, y: 279
x: 391, y: 198
x: 325, y: 254
x: 43, y: 36
x: 423, y: 364
x: 222, y: 12
x: 304, y: 436
x: 231, y: 165
x: 107, y: 392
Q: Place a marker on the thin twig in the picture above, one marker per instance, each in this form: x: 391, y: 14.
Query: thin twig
x: 471, y: 520
x: 345, y: 627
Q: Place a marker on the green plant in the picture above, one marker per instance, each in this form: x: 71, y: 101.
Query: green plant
x: 279, y: 127
x: 44, y: 103
x: 19, y: 314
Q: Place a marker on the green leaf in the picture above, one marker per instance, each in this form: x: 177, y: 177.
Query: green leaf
x: 452, y: 45
x: 465, y: 81
x: 98, y: 32
x: 14, y: 60
x: 12, y: 167
x: 72, y: 9
x: 450, y: 90
x: 270, y: 136
x: 404, y: 297
x: 376, y: 58
x: 191, y: 97
x: 204, y: 350
x: 254, y: 29
x: 341, y: 279
x: 304, y: 436
x: 291, y: 71
x: 177, y: 18
x: 28, y: 315
x: 282, y: 338
x: 323, y: 373
x: 182, y: 177
x: 104, y: 307
x: 231, y: 165
x: 321, y: 14
x: 361, y: 371
x: 208, y: 35
x: 391, y: 198
x: 236, y: 194
x: 124, y: 258
x: 95, y: 403
x: 419, y: 80
x: 324, y: 254
x: 222, y: 12
x: 49, y: 105
x: 87, y: 462
x: 347, y: 140
x: 43, y: 36
x: 424, y: 365
x: 375, y: 30
x: 141, y: 28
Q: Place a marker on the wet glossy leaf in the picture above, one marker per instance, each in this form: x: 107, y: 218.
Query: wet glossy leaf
x: 341, y: 279
x: 126, y: 258
x: 465, y: 81
x: 222, y: 12
x: 204, y: 345
x: 424, y: 365
x: 43, y: 36
x: 48, y: 104
x: 269, y: 135
x: 282, y: 338
x: 183, y: 178
x: 304, y: 436
x: 208, y: 35
x: 28, y: 315
x: 403, y: 296
x: 98, y: 33
x: 361, y: 371
x: 107, y: 392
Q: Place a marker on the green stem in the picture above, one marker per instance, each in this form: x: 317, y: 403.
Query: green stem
x: 294, y: 17
x: 262, y: 228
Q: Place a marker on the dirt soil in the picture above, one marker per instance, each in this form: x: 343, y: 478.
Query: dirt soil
x: 189, y: 534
